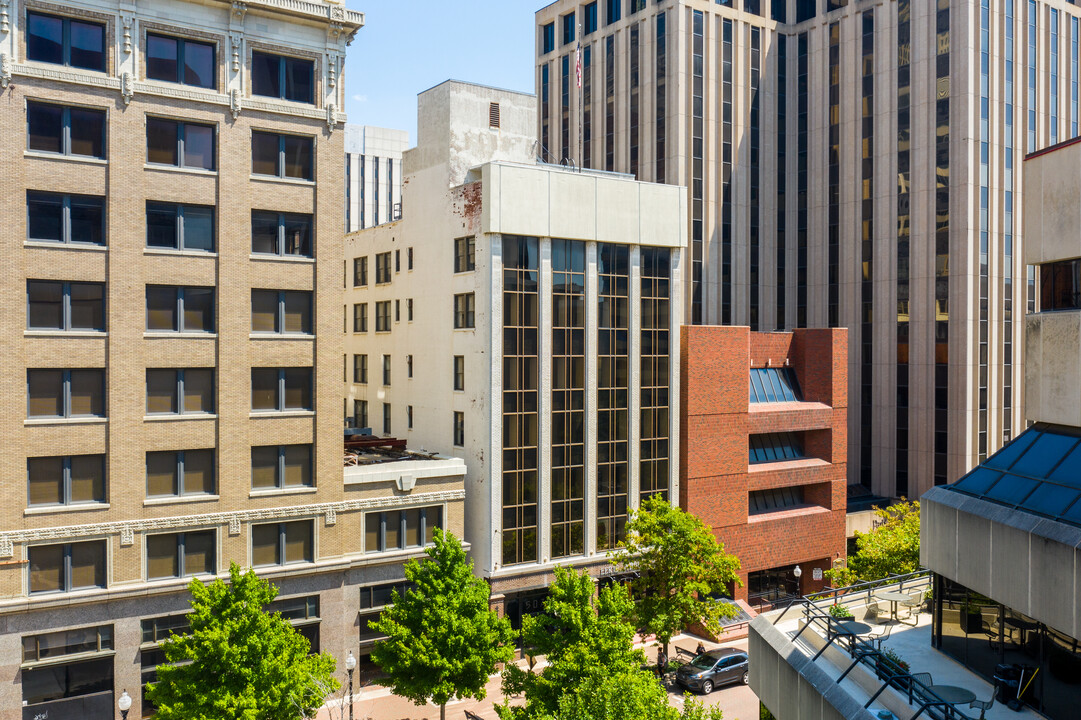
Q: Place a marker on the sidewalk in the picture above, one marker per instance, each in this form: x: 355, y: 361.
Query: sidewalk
x: 378, y: 703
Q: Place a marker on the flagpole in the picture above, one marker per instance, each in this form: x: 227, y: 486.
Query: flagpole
x: 581, y: 112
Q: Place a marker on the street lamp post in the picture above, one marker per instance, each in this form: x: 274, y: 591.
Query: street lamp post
x: 124, y: 703
x: 350, y: 666
x: 797, y: 572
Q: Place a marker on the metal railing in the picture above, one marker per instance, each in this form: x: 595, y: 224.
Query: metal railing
x: 886, y: 669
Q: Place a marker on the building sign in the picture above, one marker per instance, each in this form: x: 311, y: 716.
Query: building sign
x: 816, y: 574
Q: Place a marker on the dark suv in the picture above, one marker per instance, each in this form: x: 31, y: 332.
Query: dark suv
x: 713, y: 669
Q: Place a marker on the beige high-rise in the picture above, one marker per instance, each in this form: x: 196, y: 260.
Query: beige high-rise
x: 850, y: 164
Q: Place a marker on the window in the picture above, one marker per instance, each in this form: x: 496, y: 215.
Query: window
x: 360, y: 271
x: 761, y: 501
x: 66, y: 567
x: 386, y: 418
x: 65, y: 480
x: 612, y: 11
x: 179, y: 309
x: 360, y: 317
x: 409, y: 309
x: 59, y: 680
x: 590, y: 24
x: 567, y: 22
x: 180, y: 472
x: 283, y: 156
x: 465, y: 250
x: 52, y: 217
x: 275, y: 233
x: 283, y: 312
x: 67, y: 642
x: 409, y: 417
x: 409, y: 258
x: 382, y: 268
x: 65, y: 41
x: 276, y: 467
x: 775, y: 447
x: 179, y: 227
x: 464, y: 310
x: 409, y: 365
x: 548, y: 38
x: 360, y: 369
x: 65, y: 130
x: 400, y: 529
x: 382, y: 316
x: 282, y: 543
x: 65, y: 393
x: 397, y: 311
x: 1060, y: 285
x: 180, y: 144
x: 283, y: 77
x: 360, y: 413
x: 397, y: 261
x: 175, y: 555
x: 386, y: 370
x: 281, y: 389
x: 180, y: 61
x: 459, y: 429
x: 180, y: 392
x: 54, y: 305
x: 459, y: 372
x: 773, y: 385
x: 303, y: 614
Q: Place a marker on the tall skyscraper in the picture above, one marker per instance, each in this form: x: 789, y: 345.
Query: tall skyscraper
x: 373, y: 175
x: 850, y: 164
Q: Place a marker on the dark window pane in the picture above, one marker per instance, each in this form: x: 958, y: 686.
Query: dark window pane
x: 298, y: 389
x: 161, y: 556
x: 265, y: 545
x: 264, y: 153
x: 298, y: 312
x: 264, y: 389
x: 87, y: 45
x: 199, y: 310
x: 264, y: 466
x: 45, y: 304
x: 298, y: 542
x: 198, y: 228
x: 298, y: 157
x: 199, y: 64
x: 162, y: 141
x: 264, y: 310
x: 46, y: 480
x: 161, y: 392
x: 199, y: 146
x: 45, y: 38
x: 298, y: 235
x: 298, y: 465
x: 45, y: 216
x: 161, y: 308
x: 161, y: 474
x: 87, y: 565
x: 161, y: 58
x: 393, y: 530
x: 198, y: 472
x: 198, y: 553
x: 45, y: 391
x: 299, y: 82
x: 87, y: 306
x: 87, y: 220
x: 161, y: 226
x: 87, y: 132
x: 46, y: 568
x: 45, y: 127
x: 199, y: 391
x: 265, y: 78
x: 264, y: 232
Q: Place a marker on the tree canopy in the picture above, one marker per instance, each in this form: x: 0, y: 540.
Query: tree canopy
x: 443, y: 640
x: 891, y: 548
x: 239, y: 662
x: 679, y: 565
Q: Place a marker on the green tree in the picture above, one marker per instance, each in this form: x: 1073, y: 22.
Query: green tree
x: 891, y: 548
x: 634, y: 695
x: 583, y: 636
x: 678, y: 564
x: 443, y: 640
x: 239, y: 662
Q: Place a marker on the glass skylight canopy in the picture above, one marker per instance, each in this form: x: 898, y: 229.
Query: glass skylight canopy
x: 773, y: 385
x: 1039, y: 472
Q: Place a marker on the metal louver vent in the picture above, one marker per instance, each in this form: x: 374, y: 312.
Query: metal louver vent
x: 493, y: 115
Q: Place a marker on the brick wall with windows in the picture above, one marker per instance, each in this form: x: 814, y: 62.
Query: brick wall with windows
x: 764, y: 465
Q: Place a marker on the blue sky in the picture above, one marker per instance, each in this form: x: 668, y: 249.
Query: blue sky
x: 408, y: 46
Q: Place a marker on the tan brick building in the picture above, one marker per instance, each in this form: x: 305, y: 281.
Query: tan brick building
x: 173, y: 179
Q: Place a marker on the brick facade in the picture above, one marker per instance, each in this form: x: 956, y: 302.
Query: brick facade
x: 717, y: 420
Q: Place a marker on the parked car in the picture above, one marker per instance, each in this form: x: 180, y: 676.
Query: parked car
x: 713, y: 669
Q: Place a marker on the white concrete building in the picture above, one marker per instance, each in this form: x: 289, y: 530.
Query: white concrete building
x: 373, y: 175
x: 526, y: 320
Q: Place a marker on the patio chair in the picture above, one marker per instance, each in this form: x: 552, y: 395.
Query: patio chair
x: 924, y: 678
x: 873, y: 612
x: 881, y: 637
x: 982, y: 705
x: 913, y: 605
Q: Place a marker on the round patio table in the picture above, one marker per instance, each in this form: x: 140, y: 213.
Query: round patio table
x: 953, y: 694
x: 893, y: 597
x: 850, y: 629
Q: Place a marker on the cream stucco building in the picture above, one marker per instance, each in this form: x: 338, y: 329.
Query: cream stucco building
x: 525, y: 317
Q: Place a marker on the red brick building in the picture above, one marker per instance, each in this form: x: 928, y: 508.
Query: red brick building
x: 763, y: 448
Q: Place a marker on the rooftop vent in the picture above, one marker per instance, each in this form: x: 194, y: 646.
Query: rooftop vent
x: 493, y: 115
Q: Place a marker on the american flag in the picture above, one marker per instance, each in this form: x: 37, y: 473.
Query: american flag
x: 578, y: 64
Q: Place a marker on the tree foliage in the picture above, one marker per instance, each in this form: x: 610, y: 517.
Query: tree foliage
x: 679, y: 565
x: 632, y: 695
x: 239, y: 662
x: 891, y: 548
x: 443, y: 641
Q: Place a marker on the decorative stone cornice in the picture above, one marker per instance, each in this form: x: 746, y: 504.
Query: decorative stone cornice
x: 5, y: 16
x: 126, y: 20
x: 235, y: 40
x: 233, y: 519
x: 240, y: 9
x: 66, y: 75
